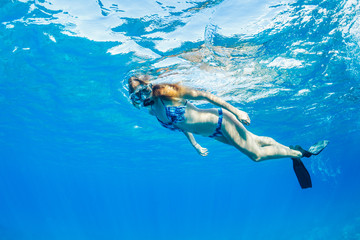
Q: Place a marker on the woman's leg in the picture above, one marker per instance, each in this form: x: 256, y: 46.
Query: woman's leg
x: 270, y: 149
x: 256, y: 147
x: 223, y: 140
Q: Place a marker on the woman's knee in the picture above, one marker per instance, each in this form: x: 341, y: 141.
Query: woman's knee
x: 266, y: 141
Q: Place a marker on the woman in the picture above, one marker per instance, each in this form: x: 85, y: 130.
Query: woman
x: 169, y: 104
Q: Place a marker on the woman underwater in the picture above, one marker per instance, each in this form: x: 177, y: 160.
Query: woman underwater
x: 169, y: 104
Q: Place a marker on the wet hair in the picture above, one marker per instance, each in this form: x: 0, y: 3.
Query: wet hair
x: 165, y: 91
x: 134, y: 82
x: 168, y: 91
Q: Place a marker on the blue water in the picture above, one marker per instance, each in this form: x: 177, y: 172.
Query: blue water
x: 77, y: 161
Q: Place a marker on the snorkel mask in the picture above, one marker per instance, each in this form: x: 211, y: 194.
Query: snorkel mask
x: 142, y: 95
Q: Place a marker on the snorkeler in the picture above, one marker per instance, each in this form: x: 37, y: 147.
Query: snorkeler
x: 169, y: 104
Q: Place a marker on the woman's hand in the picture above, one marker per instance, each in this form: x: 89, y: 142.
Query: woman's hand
x: 202, y: 151
x: 243, y: 117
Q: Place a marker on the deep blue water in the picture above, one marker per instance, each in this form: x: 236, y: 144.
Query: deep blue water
x: 77, y: 161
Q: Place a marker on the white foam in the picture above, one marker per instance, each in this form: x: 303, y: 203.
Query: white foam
x: 169, y: 62
x: 51, y: 37
x: 286, y: 63
x: 302, y: 92
x: 132, y: 46
x: 248, y: 17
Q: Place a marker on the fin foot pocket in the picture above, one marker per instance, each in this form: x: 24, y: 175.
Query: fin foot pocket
x: 303, y: 152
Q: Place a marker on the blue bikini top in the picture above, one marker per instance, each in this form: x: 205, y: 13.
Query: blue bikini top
x: 175, y: 114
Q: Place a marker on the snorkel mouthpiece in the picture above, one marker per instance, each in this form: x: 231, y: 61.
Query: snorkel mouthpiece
x: 148, y: 102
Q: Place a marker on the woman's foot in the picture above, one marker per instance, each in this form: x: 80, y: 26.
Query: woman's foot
x: 303, y: 152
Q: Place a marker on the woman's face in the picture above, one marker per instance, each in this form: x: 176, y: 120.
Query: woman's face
x: 142, y: 92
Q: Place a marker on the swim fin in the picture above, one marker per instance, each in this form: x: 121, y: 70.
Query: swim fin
x: 318, y: 147
x: 313, y: 150
x: 302, y: 173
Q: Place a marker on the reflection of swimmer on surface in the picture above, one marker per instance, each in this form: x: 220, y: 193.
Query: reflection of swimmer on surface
x: 169, y: 104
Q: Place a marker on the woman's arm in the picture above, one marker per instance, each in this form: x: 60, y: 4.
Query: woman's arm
x: 193, y: 94
x: 202, y: 151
